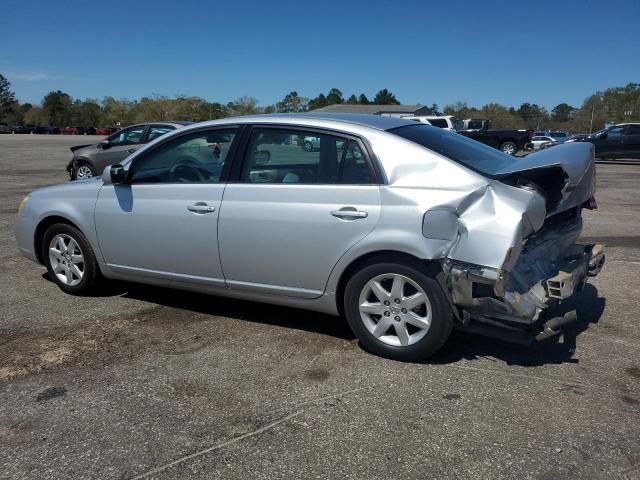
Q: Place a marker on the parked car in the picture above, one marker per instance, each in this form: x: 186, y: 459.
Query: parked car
x: 23, y: 129
x: 88, y: 160
x: 73, y: 131
x: 559, y: 136
x: 504, y: 139
x: 4, y: 128
x: 539, y: 141
x: 618, y: 141
x: 447, y: 122
x: 105, y: 131
x: 90, y: 131
x: 421, y: 232
x: 51, y: 130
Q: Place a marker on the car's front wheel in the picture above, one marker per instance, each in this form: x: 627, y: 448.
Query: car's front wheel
x: 397, y: 311
x: 70, y: 260
x: 307, y: 146
x: 84, y: 170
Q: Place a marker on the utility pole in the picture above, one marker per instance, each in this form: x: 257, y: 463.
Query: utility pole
x: 593, y: 107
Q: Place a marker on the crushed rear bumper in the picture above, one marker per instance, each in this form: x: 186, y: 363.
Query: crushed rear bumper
x: 495, y: 304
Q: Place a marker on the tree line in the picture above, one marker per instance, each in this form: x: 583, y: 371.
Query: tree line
x: 614, y: 105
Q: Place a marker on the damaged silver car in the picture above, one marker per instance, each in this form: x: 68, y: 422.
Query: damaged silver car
x: 407, y: 230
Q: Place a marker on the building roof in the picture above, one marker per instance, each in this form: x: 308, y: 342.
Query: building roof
x: 376, y: 109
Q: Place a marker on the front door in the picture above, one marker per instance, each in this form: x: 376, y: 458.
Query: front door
x: 295, y: 211
x: 163, y: 223
x: 611, y: 144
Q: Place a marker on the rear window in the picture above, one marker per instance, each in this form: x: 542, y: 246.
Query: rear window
x: 470, y: 153
x: 439, y: 122
x: 475, y: 125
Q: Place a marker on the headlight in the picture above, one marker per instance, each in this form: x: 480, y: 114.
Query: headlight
x: 22, y: 204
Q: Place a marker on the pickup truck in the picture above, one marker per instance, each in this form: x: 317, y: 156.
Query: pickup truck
x: 507, y: 140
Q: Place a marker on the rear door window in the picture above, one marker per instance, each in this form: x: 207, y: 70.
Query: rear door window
x: 127, y: 136
x: 156, y: 131
x: 280, y: 155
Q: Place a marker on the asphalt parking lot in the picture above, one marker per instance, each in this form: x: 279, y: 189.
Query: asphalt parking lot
x: 147, y: 381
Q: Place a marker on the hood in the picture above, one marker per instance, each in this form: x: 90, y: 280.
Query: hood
x: 79, y: 147
x: 565, y: 175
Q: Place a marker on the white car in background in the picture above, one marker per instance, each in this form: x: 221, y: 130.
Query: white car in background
x: 541, y: 140
x: 448, y: 122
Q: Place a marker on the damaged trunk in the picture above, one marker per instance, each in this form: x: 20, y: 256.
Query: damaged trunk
x: 509, y: 271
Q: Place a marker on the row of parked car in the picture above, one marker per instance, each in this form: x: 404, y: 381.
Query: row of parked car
x: 618, y: 141
x: 53, y: 130
x: 615, y: 141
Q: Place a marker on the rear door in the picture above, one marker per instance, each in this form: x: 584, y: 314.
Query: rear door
x: 292, y: 213
x: 631, y: 141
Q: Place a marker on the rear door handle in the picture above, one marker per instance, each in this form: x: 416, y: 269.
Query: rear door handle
x: 131, y: 150
x: 201, y: 207
x: 349, y: 213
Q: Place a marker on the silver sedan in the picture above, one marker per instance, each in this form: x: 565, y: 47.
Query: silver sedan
x: 407, y: 230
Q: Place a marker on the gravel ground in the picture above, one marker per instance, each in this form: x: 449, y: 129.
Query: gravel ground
x: 146, y: 381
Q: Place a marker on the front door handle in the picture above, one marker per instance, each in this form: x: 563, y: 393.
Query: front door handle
x: 201, y: 207
x: 349, y: 213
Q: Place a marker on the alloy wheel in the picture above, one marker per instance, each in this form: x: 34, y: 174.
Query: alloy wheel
x: 83, y: 171
x: 66, y: 259
x: 395, y: 309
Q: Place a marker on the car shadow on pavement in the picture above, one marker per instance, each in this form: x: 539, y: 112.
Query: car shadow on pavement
x: 461, y: 346
x: 242, y: 310
x: 559, y: 349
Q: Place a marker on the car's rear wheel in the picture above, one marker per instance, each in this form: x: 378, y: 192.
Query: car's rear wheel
x: 84, y: 170
x: 397, y: 311
x: 70, y: 260
x: 509, y: 148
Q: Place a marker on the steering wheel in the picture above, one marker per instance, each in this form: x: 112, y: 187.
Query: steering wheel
x: 185, y: 171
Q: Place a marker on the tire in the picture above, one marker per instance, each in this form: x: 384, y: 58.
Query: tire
x: 84, y: 170
x: 417, y: 343
x: 509, y: 148
x: 79, y: 254
x: 307, y: 146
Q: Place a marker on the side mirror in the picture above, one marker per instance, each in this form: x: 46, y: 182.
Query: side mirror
x: 603, y: 135
x: 114, y: 174
x: 104, y: 145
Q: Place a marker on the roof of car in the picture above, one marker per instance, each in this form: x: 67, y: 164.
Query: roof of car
x: 378, y: 122
x: 163, y: 122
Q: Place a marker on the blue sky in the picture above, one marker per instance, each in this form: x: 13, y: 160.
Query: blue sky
x: 423, y: 51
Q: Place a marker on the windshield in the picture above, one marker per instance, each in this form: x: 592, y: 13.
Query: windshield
x: 457, y: 124
x: 470, y: 153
